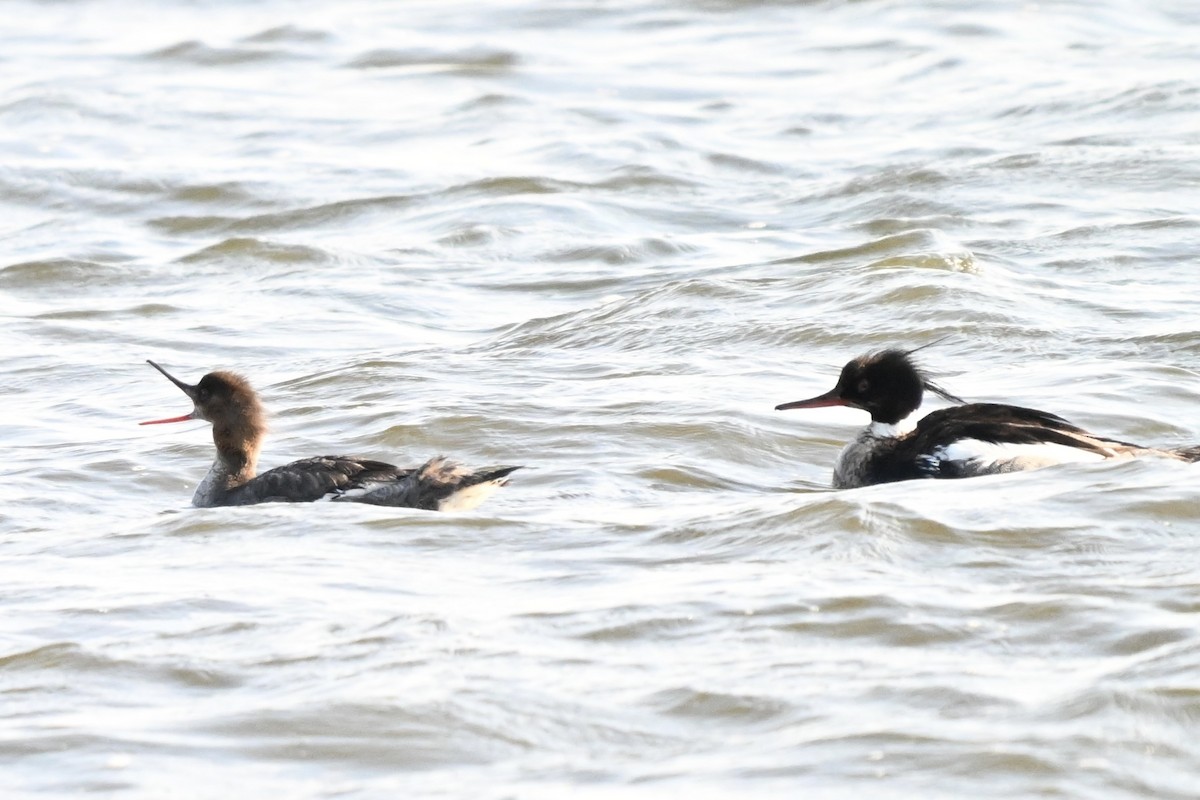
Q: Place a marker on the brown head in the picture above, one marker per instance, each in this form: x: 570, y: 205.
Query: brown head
x: 888, y: 385
x: 229, y: 402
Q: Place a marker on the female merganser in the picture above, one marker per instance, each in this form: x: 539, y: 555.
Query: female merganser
x: 957, y: 442
x: 227, y: 401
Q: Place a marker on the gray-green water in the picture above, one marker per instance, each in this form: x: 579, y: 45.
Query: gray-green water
x: 603, y: 240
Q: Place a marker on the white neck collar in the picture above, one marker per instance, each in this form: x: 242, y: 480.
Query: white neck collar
x: 887, y: 430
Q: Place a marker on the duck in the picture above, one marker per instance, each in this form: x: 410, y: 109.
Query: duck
x: 227, y: 401
x: 962, y: 441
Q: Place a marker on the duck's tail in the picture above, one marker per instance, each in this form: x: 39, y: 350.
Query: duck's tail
x: 1188, y: 453
x: 448, y: 486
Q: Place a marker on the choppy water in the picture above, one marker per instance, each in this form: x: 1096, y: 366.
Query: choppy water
x: 603, y: 240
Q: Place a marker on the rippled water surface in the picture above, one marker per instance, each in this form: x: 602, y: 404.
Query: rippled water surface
x: 602, y: 240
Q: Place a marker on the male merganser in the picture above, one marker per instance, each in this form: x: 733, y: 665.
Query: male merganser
x: 231, y: 405
x: 957, y: 442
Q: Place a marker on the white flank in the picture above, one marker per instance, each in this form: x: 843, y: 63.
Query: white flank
x: 206, y: 492
x: 470, y: 497
x: 1027, y: 455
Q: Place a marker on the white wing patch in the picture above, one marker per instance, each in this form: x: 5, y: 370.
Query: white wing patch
x: 1014, y: 456
x: 348, y: 494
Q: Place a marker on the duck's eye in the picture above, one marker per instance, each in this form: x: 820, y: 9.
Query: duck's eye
x: 863, y: 385
x: 203, y: 394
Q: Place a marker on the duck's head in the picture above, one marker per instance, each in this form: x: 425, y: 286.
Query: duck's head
x: 888, y: 385
x: 222, y: 398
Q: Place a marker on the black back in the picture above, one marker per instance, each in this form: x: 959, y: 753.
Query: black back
x: 311, y: 479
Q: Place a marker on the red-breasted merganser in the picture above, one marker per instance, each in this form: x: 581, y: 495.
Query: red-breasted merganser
x: 231, y: 405
x: 957, y: 442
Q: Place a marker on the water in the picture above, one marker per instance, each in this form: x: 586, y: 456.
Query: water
x: 603, y: 240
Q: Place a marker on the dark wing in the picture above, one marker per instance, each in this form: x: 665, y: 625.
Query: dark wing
x: 311, y: 479
x: 999, y: 424
x: 426, y: 487
x: 989, y: 422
